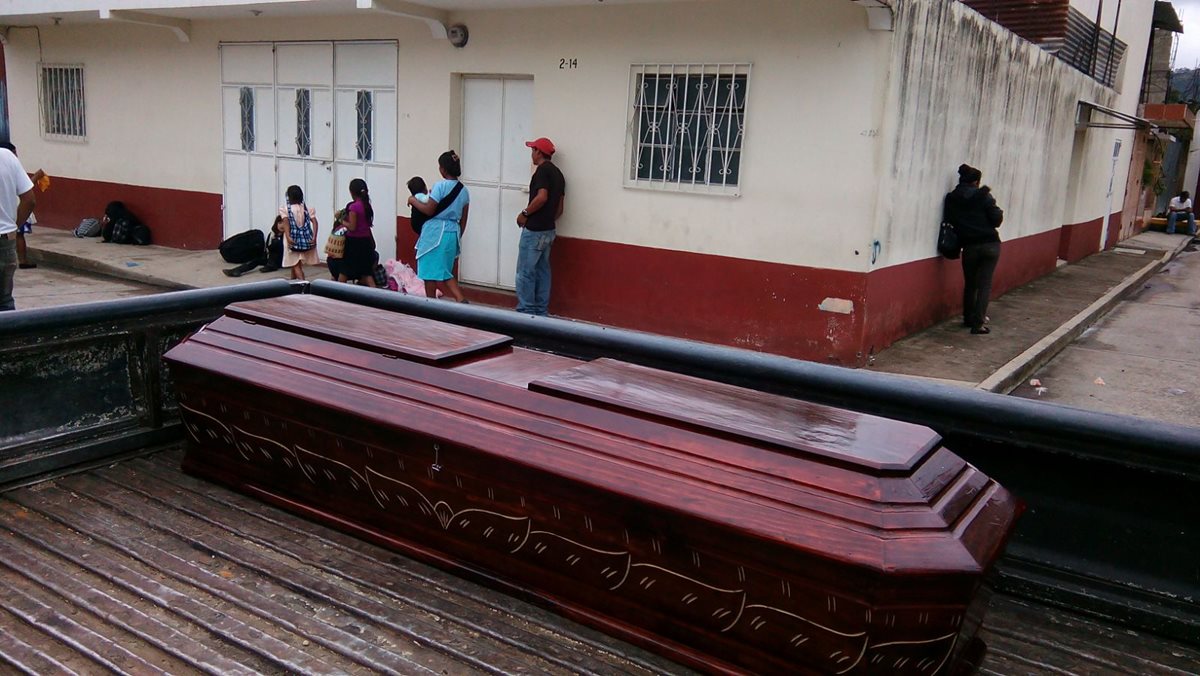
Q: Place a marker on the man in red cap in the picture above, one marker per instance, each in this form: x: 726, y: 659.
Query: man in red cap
x: 547, y: 191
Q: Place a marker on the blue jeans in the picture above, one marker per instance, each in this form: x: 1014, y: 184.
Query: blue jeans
x: 533, y: 272
x: 8, y: 268
x: 1191, y: 219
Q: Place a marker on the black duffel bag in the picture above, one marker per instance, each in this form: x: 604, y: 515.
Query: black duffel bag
x: 244, y: 247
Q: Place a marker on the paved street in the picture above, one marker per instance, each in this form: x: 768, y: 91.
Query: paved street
x: 1141, y: 359
x: 46, y: 286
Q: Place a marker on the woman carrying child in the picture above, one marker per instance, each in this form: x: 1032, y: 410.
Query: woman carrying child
x: 358, y: 261
x: 300, y: 233
x: 438, y: 245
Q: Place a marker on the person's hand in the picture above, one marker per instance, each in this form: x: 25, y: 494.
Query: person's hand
x: 521, y: 219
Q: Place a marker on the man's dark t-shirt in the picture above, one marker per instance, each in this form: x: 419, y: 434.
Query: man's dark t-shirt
x: 549, y: 177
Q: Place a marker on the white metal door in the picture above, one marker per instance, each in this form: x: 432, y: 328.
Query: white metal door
x: 248, y: 102
x: 304, y: 104
x: 365, y: 131
x: 310, y: 114
x: 497, y: 118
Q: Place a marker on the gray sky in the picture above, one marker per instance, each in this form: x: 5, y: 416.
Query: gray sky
x: 1188, y: 51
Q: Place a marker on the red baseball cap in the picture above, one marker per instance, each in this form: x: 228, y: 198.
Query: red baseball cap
x: 543, y: 144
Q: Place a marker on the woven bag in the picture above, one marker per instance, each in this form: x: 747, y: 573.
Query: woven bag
x: 335, y: 246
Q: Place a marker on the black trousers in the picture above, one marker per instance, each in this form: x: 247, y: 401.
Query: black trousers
x: 979, y: 264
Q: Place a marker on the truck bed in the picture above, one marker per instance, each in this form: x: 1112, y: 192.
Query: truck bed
x: 134, y: 567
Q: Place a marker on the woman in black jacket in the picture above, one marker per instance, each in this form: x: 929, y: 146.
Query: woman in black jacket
x: 972, y: 211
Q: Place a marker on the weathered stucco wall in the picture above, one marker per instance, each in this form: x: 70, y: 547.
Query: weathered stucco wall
x: 816, y: 98
x: 965, y: 90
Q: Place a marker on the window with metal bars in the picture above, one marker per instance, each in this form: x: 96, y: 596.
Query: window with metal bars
x: 365, y: 138
x: 303, y: 122
x: 688, y: 125
x: 62, y: 100
x: 246, y: 104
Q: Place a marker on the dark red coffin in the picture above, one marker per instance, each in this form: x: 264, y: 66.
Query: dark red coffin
x: 729, y: 529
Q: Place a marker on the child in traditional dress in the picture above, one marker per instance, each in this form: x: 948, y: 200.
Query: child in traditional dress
x: 300, y: 233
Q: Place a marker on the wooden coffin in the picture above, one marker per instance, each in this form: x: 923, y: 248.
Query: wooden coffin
x: 729, y: 529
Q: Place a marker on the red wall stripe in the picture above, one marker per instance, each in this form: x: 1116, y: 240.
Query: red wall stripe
x: 903, y: 299
x: 1116, y: 224
x: 183, y: 219
x: 763, y: 306
x: 1079, y: 240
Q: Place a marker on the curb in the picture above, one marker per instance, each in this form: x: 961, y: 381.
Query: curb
x: 1008, y: 377
x: 88, y: 265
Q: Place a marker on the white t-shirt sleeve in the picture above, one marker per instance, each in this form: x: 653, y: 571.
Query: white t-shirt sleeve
x: 20, y: 178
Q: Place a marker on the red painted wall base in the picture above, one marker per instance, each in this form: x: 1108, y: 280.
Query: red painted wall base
x: 182, y: 219
x: 763, y: 306
x: 830, y: 316
x: 1080, y: 240
x: 903, y: 299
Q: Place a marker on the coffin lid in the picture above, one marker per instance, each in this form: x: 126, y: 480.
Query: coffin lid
x: 388, y: 333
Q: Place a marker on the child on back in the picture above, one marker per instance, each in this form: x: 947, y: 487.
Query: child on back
x: 419, y: 191
x: 299, y: 233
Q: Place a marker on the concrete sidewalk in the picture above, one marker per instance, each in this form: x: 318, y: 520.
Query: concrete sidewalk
x: 1030, y: 324
x: 158, y: 265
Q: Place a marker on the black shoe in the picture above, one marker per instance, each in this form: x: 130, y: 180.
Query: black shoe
x: 268, y: 268
x: 980, y: 330
x: 232, y: 272
x: 27, y: 266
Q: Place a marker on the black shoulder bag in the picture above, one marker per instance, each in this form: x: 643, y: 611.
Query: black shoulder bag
x: 947, y: 244
x: 419, y: 218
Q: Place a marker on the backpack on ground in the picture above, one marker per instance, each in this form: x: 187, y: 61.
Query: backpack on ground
x: 119, y: 223
x: 88, y: 227
x: 122, y: 231
x: 244, y: 247
x: 140, y: 235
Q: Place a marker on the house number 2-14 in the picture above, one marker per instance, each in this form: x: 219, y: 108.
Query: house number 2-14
x: 568, y: 64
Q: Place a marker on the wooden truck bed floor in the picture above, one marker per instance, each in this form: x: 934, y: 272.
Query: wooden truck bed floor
x: 136, y: 568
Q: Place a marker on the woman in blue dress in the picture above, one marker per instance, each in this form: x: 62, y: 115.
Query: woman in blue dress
x: 437, y: 247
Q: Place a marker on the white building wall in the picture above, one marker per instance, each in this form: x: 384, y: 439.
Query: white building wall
x: 966, y: 90
x: 841, y: 120
x: 811, y: 144
x: 815, y: 101
x: 153, y: 112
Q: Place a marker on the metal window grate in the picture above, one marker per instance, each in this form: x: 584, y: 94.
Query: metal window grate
x: 246, y: 99
x: 303, y: 122
x: 688, y: 125
x: 365, y: 132
x: 62, y: 100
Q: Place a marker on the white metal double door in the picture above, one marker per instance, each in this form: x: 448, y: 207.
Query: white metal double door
x: 497, y: 119
x: 316, y: 115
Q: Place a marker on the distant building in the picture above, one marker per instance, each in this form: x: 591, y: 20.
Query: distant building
x: 767, y: 175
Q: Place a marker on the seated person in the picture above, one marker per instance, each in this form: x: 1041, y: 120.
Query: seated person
x: 1181, y: 207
